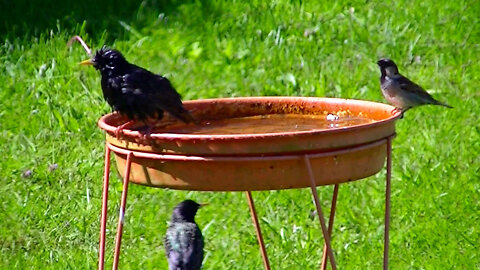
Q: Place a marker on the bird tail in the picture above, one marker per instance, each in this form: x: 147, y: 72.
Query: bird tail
x: 185, y: 116
x: 443, y: 104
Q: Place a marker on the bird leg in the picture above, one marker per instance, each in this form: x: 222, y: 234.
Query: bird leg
x: 119, y: 130
x: 394, y: 111
x: 146, y: 131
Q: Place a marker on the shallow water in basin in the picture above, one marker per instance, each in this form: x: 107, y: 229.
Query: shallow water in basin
x: 271, y: 123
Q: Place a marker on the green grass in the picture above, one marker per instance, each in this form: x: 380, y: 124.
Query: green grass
x: 49, y: 107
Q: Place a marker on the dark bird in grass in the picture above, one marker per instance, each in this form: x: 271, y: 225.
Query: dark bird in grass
x: 136, y: 92
x: 400, y: 91
x: 184, y: 240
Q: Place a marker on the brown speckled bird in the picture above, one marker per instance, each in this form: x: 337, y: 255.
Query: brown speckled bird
x: 400, y: 91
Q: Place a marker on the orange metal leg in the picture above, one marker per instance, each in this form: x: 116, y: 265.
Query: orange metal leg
x: 263, y: 250
x: 330, y: 225
x: 103, y: 219
x: 387, y: 204
x: 121, y: 217
x: 326, y: 236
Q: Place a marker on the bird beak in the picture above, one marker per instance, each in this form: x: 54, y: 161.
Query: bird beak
x: 203, y: 204
x: 88, y: 62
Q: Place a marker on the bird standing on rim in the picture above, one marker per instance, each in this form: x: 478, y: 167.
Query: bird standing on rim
x: 184, y: 240
x: 400, y: 91
x: 134, y: 91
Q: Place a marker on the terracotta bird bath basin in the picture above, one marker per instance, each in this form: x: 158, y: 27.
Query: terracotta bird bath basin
x: 255, y: 143
x: 258, y: 161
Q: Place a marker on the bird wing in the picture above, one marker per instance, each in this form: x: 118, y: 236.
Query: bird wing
x: 122, y: 96
x: 163, y: 91
x: 413, y: 89
x: 157, y: 92
x: 198, y: 249
x: 182, y: 244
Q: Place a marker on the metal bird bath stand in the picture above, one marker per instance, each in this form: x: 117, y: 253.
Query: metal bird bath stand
x: 133, y: 162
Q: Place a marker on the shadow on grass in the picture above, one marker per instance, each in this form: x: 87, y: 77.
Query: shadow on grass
x: 25, y: 19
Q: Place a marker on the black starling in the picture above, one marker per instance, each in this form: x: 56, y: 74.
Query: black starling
x: 136, y: 92
x: 184, y: 240
x: 400, y: 91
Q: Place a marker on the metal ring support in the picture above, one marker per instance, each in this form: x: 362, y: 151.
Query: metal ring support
x: 327, y: 231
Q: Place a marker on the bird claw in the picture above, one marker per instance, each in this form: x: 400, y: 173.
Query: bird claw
x: 146, y: 132
x: 394, y: 111
x: 119, y: 130
x: 118, y: 133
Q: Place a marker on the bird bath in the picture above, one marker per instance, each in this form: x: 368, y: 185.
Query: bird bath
x: 352, y: 144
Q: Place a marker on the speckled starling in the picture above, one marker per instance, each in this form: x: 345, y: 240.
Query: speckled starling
x: 184, y: 240
x: 136, y: 92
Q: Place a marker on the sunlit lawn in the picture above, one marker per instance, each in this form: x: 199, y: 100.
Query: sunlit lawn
x: 49, y: 106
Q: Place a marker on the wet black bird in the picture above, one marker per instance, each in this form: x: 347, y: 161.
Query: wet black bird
x: 134, y: 91
x: 400, y: 91
x: 184, y: 240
